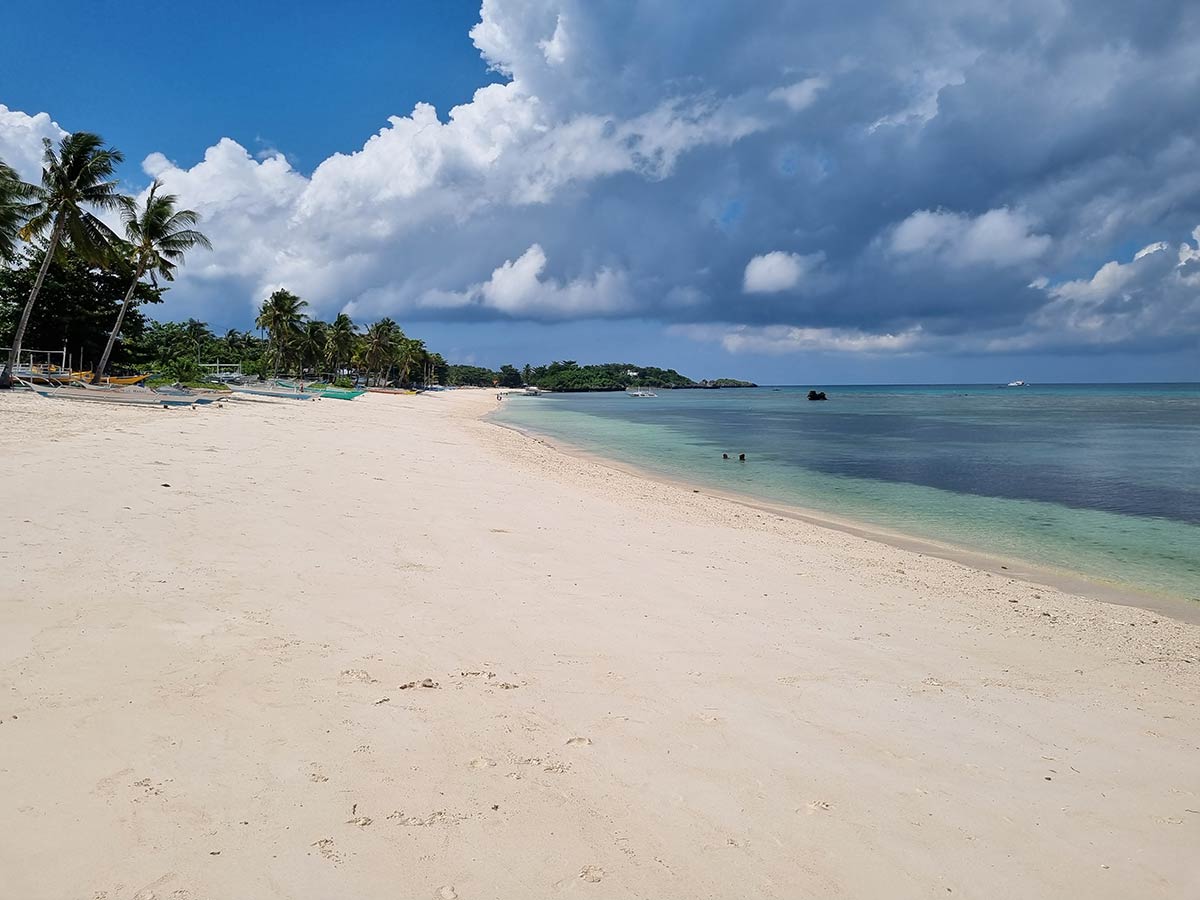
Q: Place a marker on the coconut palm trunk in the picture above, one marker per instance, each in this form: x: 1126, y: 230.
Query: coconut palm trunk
x: 14, y: 353
x: 98, y: 375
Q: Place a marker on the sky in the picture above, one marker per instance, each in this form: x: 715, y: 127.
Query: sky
x: 785, y: 191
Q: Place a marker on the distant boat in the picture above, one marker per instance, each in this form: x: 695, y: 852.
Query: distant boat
x: 1016, y: 384
x: 639, y: 392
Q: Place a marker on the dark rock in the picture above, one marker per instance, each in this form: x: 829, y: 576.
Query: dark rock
x: 817, y: 395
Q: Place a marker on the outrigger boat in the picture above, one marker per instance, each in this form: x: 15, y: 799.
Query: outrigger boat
x: 273, y: 390
x: 332, y: 393
x: 112, y: 394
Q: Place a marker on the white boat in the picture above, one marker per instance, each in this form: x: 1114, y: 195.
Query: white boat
x: 1016, y: 384
x: 640, y: 392
x: 271, y: 389
x: 105, y: 394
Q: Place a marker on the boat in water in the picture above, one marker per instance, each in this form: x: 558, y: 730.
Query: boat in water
x: 639, y: 392
x: 1017, y: 384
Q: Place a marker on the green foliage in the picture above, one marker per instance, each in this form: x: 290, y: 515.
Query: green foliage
x: 570, y: 376
x: 510, y: 377
x: 76, y: 307
x: 281, y: 316
x: 470, y: 376
x: 77, y: 177
x: 182, y: 369
x: 191, y: 342
x: 343, y: 382
x: 13, y: 194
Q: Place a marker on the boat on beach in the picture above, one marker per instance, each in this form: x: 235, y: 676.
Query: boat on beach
x: 125, y: 396
x: 326, y: 391
x: 272, y: 390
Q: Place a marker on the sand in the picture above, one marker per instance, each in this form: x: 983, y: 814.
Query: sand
x: 384, y: 649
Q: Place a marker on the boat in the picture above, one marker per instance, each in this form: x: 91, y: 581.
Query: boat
x: 534, y: 392
x: 111, y: 394
x: 322, y: 390
x: 1016, y: 384
x: 338, y: 393
x: 639, y: 392
x: 123, y: 379
x: 202, y: 396
x: 273, y: 390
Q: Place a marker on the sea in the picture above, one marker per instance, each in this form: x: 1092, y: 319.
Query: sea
x: 1094, y: 480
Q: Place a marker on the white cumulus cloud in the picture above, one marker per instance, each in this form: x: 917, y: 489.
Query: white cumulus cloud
x: 778, y: 271
x: 519, y: 288
x: 998, y: 237
x: 21, y: 140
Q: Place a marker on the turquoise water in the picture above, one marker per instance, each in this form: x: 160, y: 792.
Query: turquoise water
x: 1097, y: 480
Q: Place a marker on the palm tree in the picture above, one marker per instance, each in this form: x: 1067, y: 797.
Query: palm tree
x: 78, y: 175
x: 412, y: 356
x: 340, y: 339
x: 280, y: 317
x: 379, y: 346
x: 311, y: 343
x: 158, y: 236
x: 14, y: 194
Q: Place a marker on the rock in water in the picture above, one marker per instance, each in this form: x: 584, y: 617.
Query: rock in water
x: 817, y: 395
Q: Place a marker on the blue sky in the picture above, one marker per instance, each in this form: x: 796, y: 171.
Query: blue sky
x: 786, y: 191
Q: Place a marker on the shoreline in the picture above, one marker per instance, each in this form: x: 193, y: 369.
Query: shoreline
x: 1177, y: 607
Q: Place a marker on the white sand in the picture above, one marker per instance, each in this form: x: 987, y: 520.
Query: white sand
x: 641, y: 692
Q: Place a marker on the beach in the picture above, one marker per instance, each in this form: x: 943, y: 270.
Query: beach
x: 390, y: 649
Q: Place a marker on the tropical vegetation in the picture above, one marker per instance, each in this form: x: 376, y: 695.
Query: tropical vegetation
x: 570, y: 376
x: 157, y: 237
x: 77, y: 178
x: 67, y: 280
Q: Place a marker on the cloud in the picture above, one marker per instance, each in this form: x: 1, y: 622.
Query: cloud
x: 802, y: 94
x: 21, y: 140
x: 941, y: 175
x: 1152, y: 301
x: 998, y: 237
x: 778, y: 271
x: 518, y: 288
x: 782, y: 339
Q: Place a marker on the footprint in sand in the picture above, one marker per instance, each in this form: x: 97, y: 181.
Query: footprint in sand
x: 579, y: 742
x: 482, y: 763
x: 819, y: 806
x: 446, y: 892
x: 591, y: 874
x: 325, y: 848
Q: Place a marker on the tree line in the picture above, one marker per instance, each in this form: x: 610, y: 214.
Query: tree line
x: 68, y: 279
x: 569, y: 376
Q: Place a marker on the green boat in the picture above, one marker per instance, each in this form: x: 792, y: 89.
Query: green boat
x: 338, y: 393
